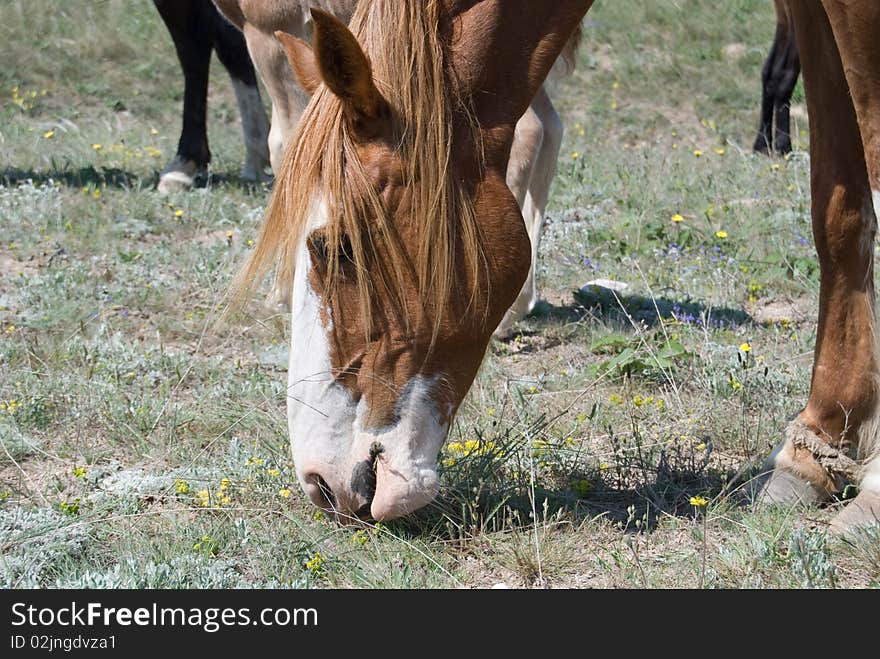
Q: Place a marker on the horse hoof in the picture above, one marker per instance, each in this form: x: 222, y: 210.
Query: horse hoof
x: 254, y: 176
x: 794, y: 473
x: 180, y: 175
x: 781, y: 487
x: 862, y: 511
x: 175, y: 182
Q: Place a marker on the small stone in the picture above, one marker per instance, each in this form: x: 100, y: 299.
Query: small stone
x: 610, y: 284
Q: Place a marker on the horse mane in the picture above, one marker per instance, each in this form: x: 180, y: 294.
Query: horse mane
x: 411, y: 69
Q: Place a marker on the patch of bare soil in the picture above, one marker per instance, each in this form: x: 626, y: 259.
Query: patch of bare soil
x: 734, y: 51
x: 11, y: 266
x: 780, y: 311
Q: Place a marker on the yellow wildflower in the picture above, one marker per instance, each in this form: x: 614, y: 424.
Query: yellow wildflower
x: 49, y: 134
x: 746, y: 347
x: 721, y: 234
x: 79, y: 472
x: 699, y: 502
x: 719, y: 151
x: 316, y: 563
x: 203, y: 498
x: 677, y: 218
x: 698, y: 153
x: 181, y: 486
x: 178, y: 213
x: 284, y: 493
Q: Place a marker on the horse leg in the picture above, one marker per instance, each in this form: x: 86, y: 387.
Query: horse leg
x: 233, y: 54
x: 288, y: 103
x: 192, y: 41
x: 765, y: 129
x: 790, y: 68
x: 544, y: 138
x: 525, y: 151
x: 288, y: 100
x: 855, y: 29
x: 812, y: 462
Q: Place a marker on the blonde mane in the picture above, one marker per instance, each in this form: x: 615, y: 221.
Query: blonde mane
x: 410, y: 69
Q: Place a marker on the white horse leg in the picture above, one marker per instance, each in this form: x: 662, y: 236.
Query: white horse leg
x: 537, y: 142
x: 288, y: 101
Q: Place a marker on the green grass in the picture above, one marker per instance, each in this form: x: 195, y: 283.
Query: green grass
x: 575, y: 458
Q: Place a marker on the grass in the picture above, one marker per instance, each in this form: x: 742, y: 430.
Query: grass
x: 143, y: 446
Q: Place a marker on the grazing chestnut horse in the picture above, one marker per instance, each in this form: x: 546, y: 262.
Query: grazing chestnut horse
x: 392, y: 217
x: 778, y: 79
x: 197, y: 29
x: 537, y: 140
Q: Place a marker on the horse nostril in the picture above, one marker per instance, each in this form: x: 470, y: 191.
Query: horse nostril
x: 363, y: 480
x: 326, y: 492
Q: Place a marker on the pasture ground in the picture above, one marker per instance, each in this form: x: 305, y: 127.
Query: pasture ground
x: 602, y: 447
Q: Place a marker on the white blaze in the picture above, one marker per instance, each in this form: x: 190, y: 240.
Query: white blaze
x: 319, y: 410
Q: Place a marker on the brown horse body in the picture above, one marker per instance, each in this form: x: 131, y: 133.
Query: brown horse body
x: 393, y: 218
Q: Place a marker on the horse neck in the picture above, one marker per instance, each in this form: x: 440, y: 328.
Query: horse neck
x: 502, y: 51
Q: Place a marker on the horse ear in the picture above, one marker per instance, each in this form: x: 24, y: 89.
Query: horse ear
x: 344, y: 66
x: 302, y: 61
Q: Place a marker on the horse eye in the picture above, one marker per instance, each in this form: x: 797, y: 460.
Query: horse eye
x: 344, y: 250
x: 346, y: 253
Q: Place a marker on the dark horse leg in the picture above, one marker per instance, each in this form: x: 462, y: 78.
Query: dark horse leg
x: 764, y: 141
x: 197, y: 28
x: 787, y: 78
x: 778, y: 79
